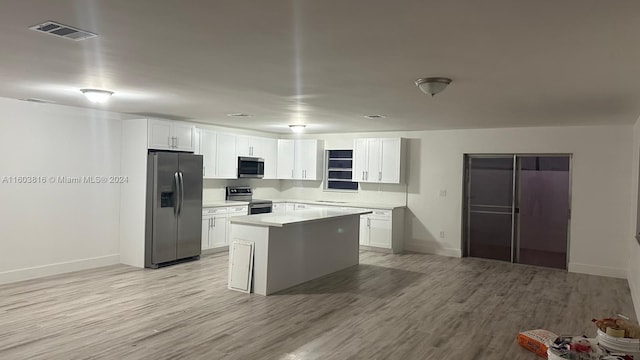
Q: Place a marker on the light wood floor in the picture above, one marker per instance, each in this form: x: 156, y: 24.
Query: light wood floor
x: 410, y: 306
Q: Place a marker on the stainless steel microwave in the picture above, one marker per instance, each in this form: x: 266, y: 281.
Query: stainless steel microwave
x: 250, y: 167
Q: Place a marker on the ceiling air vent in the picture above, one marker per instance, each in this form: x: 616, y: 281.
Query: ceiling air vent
x: 36, y: 100
x: 65, y: 31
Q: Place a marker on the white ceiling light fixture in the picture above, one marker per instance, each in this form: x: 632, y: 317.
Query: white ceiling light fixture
x: 432, y: 85
x: 297, y: 128
x: 238, y: 115
x: 97, y: 96
x: 374, y: 117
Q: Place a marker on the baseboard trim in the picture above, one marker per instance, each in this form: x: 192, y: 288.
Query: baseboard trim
x: 215, y: 250
x: 58, y: 268
x: 427, y: 249
x: 598, y: 270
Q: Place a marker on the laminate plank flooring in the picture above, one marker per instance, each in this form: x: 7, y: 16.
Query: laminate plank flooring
x: 409, y: 306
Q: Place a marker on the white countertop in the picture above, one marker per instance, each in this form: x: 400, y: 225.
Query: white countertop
x: 300, y: 216
x: 379, y: 206
x: 221, y: 203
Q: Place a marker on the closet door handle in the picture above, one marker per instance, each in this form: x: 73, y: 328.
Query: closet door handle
x: 380, y: 176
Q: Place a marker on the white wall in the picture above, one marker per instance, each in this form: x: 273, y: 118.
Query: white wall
x: 51, y: 228
x: 600, y: 188
x: 633, y: 251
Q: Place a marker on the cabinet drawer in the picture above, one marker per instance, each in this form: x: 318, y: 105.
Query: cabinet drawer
x: 384, y: 213
x: 214, y: 211
x: 239, y: 210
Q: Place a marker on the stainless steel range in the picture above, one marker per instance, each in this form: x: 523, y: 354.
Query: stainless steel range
x: 245, y: 193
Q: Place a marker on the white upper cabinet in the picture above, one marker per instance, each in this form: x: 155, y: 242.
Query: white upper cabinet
x: 268, y: 150
x: 171, y: 135
x: 300, y: 159
x: 377, y: 160
x: 308, y: 162
x: 227, y: 166
x: 359, y: 160
x: 244, y: 146
x: 209, y: 151
x: 286, y: 160
x: 390, y: 162
x: 217, y: 161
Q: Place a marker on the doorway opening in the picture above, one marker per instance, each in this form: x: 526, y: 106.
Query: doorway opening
x: 517, y: 208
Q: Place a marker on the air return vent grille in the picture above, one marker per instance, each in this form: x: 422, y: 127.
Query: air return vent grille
x: 65, y: 31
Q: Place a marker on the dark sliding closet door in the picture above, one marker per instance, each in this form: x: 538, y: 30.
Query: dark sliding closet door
x: 517, y: 208
x: 543, y: 201
x: 490, y: 210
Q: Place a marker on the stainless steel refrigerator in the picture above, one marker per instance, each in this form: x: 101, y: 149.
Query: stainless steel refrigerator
x: 174, y: 208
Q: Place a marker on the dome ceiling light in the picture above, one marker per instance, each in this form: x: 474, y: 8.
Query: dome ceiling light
x: 432, y: 85
x: 297, y: 128
x: 97, y: 96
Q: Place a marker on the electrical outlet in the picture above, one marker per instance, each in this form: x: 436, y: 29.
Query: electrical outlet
x: 442, y: 234
x: 443, y: 192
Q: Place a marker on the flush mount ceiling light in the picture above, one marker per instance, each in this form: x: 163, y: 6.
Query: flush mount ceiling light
x: 238, y: 115
x: 97, y: 96
x: 297, y: 128
x: 433, y: 85
x: 375, y: 116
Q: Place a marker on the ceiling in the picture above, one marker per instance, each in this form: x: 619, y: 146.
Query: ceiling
x: 328, y: 63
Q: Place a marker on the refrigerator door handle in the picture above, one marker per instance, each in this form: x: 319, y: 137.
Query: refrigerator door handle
x: 181, y: 191
x: 176, y: 205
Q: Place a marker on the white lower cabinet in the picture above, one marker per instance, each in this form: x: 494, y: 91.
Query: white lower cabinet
x: 218, y: 234
x: 214, y: 227
x: 382, y: 229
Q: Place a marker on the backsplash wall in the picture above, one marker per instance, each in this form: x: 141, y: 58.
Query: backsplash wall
x: 214, y: 189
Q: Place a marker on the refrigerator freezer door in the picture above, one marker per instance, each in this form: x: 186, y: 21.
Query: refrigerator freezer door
x: 190, y: 209
x: 164, y: 206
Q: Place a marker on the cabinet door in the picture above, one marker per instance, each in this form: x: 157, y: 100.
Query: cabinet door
x: 183, y: 136
x: 306, y: 159
x: 374, y: 149
x: 286, y: 160
x: 268, y: 150
x: 360, y: 163
x: 289, y: 207
x: 209, y: 152
x: 206, y: 226
x: 160, y: 135
x: 227, y: 161
x: 364, y: 230
x: 197, y: 135
x: 243, y: 146
x: 219, y: 231
x: 380, y: 232
x: 390, y: 161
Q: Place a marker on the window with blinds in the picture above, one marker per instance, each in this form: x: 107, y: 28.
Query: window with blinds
x: 338, y: 172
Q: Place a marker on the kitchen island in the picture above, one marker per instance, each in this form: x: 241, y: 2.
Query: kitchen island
x: 294, y: 248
